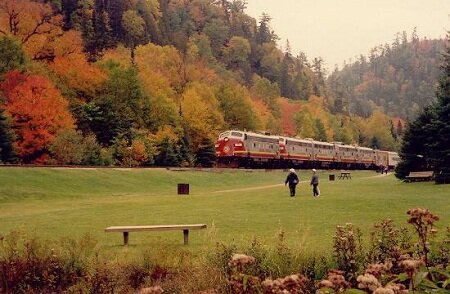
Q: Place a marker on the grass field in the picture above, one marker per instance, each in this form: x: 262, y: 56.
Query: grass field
x: 237, y: 205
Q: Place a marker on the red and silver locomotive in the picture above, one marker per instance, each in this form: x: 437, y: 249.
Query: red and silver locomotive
x: 248, y: 149
x: 237, y: 148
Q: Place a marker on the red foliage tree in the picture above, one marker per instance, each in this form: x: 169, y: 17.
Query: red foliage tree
x: 38, y: 112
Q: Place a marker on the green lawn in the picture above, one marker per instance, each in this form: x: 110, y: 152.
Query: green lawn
x: 237, y: 206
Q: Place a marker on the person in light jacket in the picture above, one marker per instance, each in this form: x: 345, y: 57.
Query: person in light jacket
x: 292, y: 179
x: 315, y: 183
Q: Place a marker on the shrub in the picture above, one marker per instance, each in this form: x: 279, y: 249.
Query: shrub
x: 348, y: 250
x: 423, y: 222
x: 70, y: 147
x: 29, y: 265
x: 92, y: 151
x: 388, y: 243
x: 67, y: 147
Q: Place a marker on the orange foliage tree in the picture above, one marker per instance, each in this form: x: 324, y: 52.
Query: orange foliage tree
x: 288, y: 110
x: 38, y: 112
x: 35, y: 25
x: 72, y: 67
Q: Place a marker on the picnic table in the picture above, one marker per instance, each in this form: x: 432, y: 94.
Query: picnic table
x: 345, y: 175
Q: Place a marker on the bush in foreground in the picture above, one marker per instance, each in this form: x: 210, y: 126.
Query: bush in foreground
x: 394, y: 261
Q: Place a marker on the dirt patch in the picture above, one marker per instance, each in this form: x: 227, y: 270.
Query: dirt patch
x: 253, y: 188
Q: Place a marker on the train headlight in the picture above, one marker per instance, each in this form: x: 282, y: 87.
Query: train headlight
x: 226, y: 149
x: 216, y: 146
x: 238, y: 145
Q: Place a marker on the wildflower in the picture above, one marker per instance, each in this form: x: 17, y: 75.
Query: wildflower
x: 325, y: 284
x: 411, y: 265
x: 382, y: 290
x: 391, y: 289
x: 337, y: 280
x: 151, y: 290
x: 418, y: 215
x: 241, y: 260
x: 368, y: 281
x: 378, y: 269
x: 289, y: 284
x: 208, y: 292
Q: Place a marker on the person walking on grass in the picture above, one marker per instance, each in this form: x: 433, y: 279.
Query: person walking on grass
x: 315, y: 183
x: 292, y: 179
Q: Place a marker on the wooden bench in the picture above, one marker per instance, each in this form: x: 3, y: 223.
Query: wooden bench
x: 127, y: 229
x: 419, y: 176
x: 345, y: 175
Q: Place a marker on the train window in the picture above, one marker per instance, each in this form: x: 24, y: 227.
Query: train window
x: 254, y: 145
x: 261, y: 139
x: 223, y: 135
x: 236, y: 134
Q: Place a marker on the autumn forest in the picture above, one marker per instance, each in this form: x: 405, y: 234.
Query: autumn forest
x: 153, y: 82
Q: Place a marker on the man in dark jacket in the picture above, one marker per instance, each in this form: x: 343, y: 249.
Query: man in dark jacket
x: 292, y: 179
x: 315, y: 183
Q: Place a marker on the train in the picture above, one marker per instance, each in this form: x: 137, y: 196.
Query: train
x: 235, y: 148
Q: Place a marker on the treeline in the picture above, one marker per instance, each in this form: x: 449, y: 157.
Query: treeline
x: 154, y: 82
x: 426, y: 142
x: 400, y: 77
x: 220, y: 29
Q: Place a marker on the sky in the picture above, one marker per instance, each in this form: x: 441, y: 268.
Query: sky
x: 340, y: 30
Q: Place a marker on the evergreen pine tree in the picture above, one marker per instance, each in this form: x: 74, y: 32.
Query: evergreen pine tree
x: 264, y: 33
x: 440, y: 155
x: 97, y: 33
x: 285, y: 76
x: 392, y: 130
x: 399, y: 128
x: 12, y: 55
x: 167, y: 154
x: 7, y: 153
x: 374, y: 143
x: 415, y: 150
x: 88, y: 33
x: 206, y: 153
x: 321, y: 133
x: 184, y: 148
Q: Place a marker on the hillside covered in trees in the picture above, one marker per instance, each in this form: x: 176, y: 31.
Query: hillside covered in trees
x: 400, y: 78
x: 144, y: 82
x: 426, y: 142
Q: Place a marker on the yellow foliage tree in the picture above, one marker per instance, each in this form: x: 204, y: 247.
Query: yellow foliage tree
x: 200, y: 109
x: 316, y: 107
x: 163, y: 61
x: 156, y: 83
x: 304, y: 124
x: 377, y: 126
x: 268, y: 121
